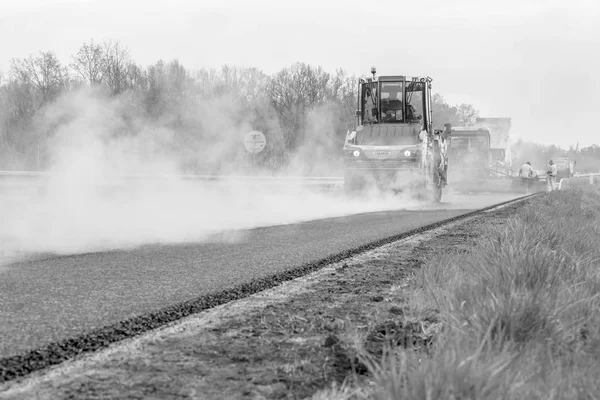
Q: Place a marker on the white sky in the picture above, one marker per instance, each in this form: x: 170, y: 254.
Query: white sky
x: 535, y: 61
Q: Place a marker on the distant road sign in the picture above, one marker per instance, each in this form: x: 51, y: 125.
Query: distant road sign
x: 255, y: 141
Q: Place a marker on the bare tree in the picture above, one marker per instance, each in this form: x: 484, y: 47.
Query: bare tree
x: 44, y: 72
x: 38, y: 81
x: 155, y: 94
x: 136, y: 78
x: 462, y: 115
x: 442, y: 111
x: 343, y: 92
x: 293, y: 92
x: 177, y: 77
x: 116, y: 62
x: 179, y: 88
x: 466, y: 114
x: 253, y: 84
x: 89, y: 63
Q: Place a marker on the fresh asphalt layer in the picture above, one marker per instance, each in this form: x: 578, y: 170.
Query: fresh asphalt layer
x: 48, y: 300
x: 54, y: 307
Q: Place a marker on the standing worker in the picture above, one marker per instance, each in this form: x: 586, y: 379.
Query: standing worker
x: 525, y: 173
x: 551, y: 171
x: 445, y: 143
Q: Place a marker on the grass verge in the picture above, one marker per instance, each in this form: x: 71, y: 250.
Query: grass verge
x: 519, y: 312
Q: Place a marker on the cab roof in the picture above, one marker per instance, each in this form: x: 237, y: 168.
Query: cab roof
x: 396, y: 78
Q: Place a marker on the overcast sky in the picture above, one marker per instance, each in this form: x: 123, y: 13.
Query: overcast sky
x: 537, y: 62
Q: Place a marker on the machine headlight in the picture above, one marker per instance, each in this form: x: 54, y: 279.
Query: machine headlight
x: 407, y: 153
x: 356, y: 153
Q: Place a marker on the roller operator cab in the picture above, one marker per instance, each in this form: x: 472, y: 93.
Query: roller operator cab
x: 394, y: 146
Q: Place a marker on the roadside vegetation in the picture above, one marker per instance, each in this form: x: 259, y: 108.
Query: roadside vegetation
x: 303, y: 110
x: 519, y: 313
x: 299, y: 108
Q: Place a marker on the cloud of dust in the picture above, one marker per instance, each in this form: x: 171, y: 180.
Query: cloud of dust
x: 314, y: 156
x: 467, y: 165
x: 114, y: 183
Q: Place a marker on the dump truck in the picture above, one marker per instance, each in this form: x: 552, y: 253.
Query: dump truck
x: 393, y: 147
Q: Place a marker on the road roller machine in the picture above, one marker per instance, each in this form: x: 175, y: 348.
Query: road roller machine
x: 394, y: 147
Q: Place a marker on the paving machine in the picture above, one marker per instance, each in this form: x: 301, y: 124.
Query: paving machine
x: 393, y: 147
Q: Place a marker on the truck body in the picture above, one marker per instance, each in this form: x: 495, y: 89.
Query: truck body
x: 393, y: 146
x: 470, y: 154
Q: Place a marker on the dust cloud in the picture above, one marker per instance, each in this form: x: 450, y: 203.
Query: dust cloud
x: 115, y: 182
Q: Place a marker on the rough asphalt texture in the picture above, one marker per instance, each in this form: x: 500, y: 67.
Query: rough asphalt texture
x: 53, y: 308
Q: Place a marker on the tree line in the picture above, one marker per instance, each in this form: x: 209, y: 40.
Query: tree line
x: 299, y: 107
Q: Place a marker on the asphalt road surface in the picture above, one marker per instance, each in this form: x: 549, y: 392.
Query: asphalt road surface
x: 45, y: 300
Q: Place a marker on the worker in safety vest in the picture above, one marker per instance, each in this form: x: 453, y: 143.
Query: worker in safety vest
x: 551, y: 171
x: 445, y: 142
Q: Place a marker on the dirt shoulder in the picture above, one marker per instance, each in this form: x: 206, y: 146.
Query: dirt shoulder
x: 292, y: 341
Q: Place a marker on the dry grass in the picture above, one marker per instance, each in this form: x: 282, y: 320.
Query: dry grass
x: 520, y: 312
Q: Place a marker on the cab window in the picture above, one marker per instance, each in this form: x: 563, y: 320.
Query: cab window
x: 392, y: 105
x: 414, y: 101
x: 369, y: 103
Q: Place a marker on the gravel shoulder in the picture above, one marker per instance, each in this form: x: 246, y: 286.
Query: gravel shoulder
x: 293, y: 341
